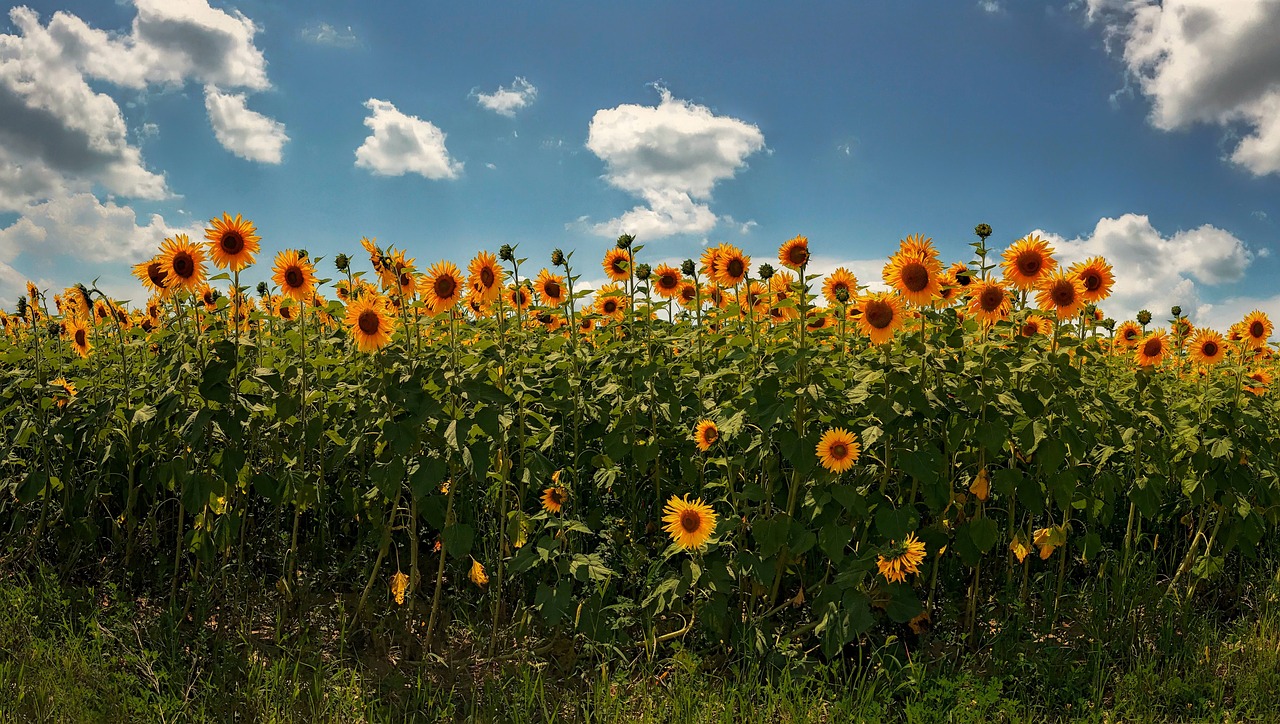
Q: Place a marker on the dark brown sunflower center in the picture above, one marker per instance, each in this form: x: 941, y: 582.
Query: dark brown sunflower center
x: 81, y: 338
x: 518, y: 298
x: 487, y: 277
x: 1152, y: 347
x: 668, y: 281
x: 406, y: 279
x: 735, y: 268
x: 915, y: 276
x: 619, y: 265
x: 556, y: 497
x: 991, y: 299
x: 1092, y: 280
x: 444, y: 286
x: 369, y: 322
x: 879, y: 314
x: 688, y: 293
x: 1209, y: 349
x: 293, y: 277
x: 183, y: 265
x: 798, y: 254
x: 551, y: 290
x: 610, y: 306
x: 1257, y: 329
x: 963, y: 278
x: 286, y: 312
x: 1030, y: 263
x: 1130, y: 335
x: 1063, y: 294
x: 156, y: 274
x: 710, y: 435
x: 1030, y: 329
x: 232, y: 243
x: 690, y: 520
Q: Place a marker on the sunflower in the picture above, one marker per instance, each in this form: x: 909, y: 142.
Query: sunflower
x: 1257, y: 328
x: 688, y: 294
x: 617, y: 264
x: 209, y: 297
x: 1262, y: 378
x: 753, y: 297
x: 837, y: 280
x: 610, y: 301
x: 838, y: 449
x: 706, y: 434
x: 1035, y: 325
x: 478, y: 576
x: 485, y: 276
x: 553, y: 499
x: 1150, y: 351
x: 794, y: 253
x: 182, y: 263
x: 914, y: 275
x: 918, y: 244
x: 903, y: 558
x: 989, y: 301
x: 960, y: 274
x: 519, y: 296
x: 1208, y: 347
x: 1095, y: 274
x: 375, y: 253
x: 78, y: 333
x: 401, y: 275
x: 152, y: 275
x: 370, y: 323
x: 732, y: 267
x: 1027, y: 261
x: 441, y: 286
x: 717, y: 297
x: 549, y: 288
x: 879, y: 315
x: 1128, y: 333
x: 101, y: 311
x: 67, y: 389
x: 666, y: 281
x: 479, y: 308
x: 710, y: 262
x: 294, y: 275
x: 586, y: 324
x: 232, y: 242
x: 689, y: 523
x: 1061, y: 293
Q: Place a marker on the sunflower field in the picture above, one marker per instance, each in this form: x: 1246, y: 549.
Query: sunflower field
x: 717, y: 454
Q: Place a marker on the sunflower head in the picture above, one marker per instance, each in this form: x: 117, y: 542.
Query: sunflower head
x: 1151, y: 350
x: 1035, y: 325
x: 839, y: 283
x: 369, y: 322
x: 794, y: 253
x: 232, y: 242
x: 183, y: 263
x: 689, y: 523
x: 1257, y: 328
x: 1027, y: 261
x: 989, y: 301
x: 441, y: 287
x: 732, y: 265
x: 294, y: 274
x: 550, y: 288
x: 838, y: 450
x: 1208, y: 347
x: 1095, y: 276
x: 152, y: 275
x: 1060, y: 293
x: 916, y: 276
x: 705, y: 434
x: 78, y: 333
x: 666, y: 281
x: 485, y: 276
x: 617, y: 264
x: 879, y: 315
x: 900, y: 559
x: 553, y: 499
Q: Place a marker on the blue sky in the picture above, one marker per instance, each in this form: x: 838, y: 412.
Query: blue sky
x: 1092, y: 121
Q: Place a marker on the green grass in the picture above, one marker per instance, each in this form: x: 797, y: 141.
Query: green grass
x: 73, y: 653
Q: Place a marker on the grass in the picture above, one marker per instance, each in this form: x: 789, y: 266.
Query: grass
x: 95, y: 653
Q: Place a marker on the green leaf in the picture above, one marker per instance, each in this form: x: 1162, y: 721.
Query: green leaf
x: 458, y: 539
x: 984, y: 533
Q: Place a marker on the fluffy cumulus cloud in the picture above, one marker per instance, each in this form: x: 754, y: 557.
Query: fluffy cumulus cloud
x: 245, y: 133
x: 399, y: 143
x: 507, y: 100
x: 1204, y: 61
x: 1154, y: 271
x: 670, y: 156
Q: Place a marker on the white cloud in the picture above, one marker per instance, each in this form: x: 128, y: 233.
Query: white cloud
x: 326, y: 34
x: 671, y: 156
x: 989, y: 6
x: 507, y: 100
x: 1222, y: 314
x: 1153, y: 271
x: 248, y: 134
x: 1204, y: 61
x: 401, y: 144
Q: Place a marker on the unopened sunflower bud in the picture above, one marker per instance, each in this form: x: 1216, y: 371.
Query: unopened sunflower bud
x: 1108, y: 324
x: 687, y: 268
x: 506, y: 253
x: 765, y: 271
x: 22, y: 307
x: 557, y: 257
x: 624, y: 241
x: 983, y: 231
x: 1144, y: 317
x: 54, y: 330
x: 1176, y: 310
x: 842, y: 294
x: 263, y: 289
x: 642, y: 271
x: 342, y: 262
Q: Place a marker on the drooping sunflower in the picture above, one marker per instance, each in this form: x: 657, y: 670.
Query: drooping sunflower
x: 1150, y: 351
x: 690, y: 523
x: 232, y: 242
x: 710, y: 262
x: 838, y: 449
x: 1208, y: 347
x: 1095, y: 275
x: 152, y: 275
x: 550, y: 288
x: 375, y: 253
x: 705, y: 434
x: 1261, y: 379
x: 370, y: 323
x: 1060, y: 293
x: 67, y: 391
x: 183, y: 263
x: 794, y: 252
x: 1128, y: 333
x: 901, y: 559
x: 611, y: 301
x: 295, y: 275
x: 1027, y: 260
x: 617, y: 264
x: 989, y: 301
x: 837, y: 280
x: 666, y: 281
x: 688, y: 294
x: 879, y: 316
x: 441, y: 286
x: 78, y: 333
x: 1257, y: 328
x: 553, y: 499
x: 485, y: 276
x: 733, y: 266
x: 915, y: 276
x: 400, y: 274
x: 1035, y: 325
